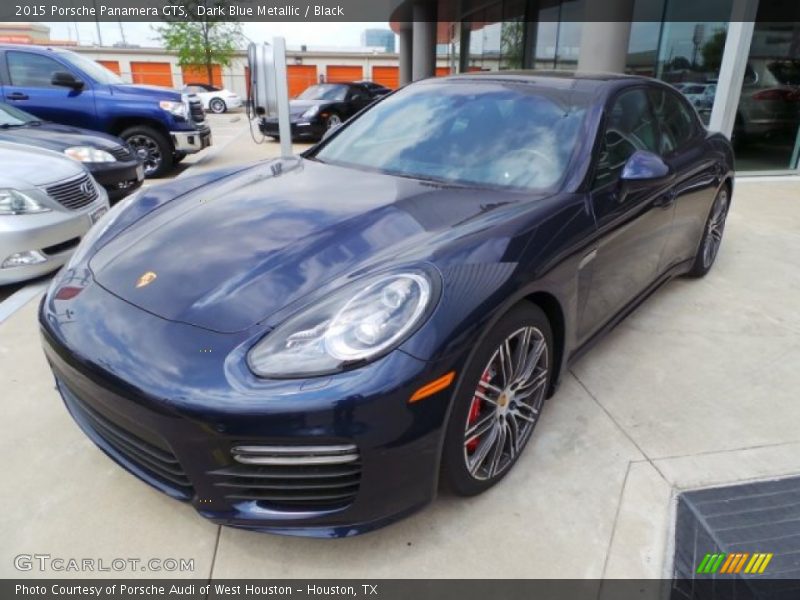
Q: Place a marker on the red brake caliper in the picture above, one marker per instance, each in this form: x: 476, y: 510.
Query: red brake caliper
x: 475, y: 410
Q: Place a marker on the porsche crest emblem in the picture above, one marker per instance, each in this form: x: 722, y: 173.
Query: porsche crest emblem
x: 146, y: 279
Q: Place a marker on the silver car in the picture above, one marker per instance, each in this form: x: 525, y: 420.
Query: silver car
x: 47, y: 204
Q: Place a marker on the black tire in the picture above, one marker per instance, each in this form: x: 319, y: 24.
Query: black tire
x: 152, y: 147
x: 712, y: 234
x: 217, y: 106
x: 458, y: 448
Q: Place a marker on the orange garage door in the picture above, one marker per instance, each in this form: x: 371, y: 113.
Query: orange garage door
x: 152, y: 73
x: 388, y: 76
x: 199, y: 74
x: 344, y: 73
x: 111, y: 65
x: 300, y: 77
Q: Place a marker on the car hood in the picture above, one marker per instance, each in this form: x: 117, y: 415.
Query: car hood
x: 58, y: 137
x: 25, y: 167
x: 228, y: 256
x: 298, y: 107
x: 150, y: 91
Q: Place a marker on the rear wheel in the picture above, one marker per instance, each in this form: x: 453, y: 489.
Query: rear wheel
x: 217, y: 106
x: 712, y: 236
x: 152, y: 148
x: 499, y: 401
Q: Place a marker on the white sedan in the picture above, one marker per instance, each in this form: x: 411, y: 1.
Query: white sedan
x: 215, y: 99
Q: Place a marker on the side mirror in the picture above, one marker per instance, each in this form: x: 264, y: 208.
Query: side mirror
x: 642, y: 170
x: 66, y: 79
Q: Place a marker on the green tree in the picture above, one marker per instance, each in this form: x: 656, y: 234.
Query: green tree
x: 712, y: 51
x: 201, y: 38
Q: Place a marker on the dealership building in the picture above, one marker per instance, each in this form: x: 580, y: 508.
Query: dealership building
x: 738, y: 61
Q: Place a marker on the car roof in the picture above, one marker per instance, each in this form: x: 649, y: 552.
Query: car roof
x: 591, y: 82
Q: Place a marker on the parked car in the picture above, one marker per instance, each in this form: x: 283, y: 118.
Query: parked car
x: 309, y: 345
x: 217, y: 100
x: 376, y: 89
x: 701, y: 95
x: 770, y: 101
x: 57, y: 85
x: 110, y: 160
x: 47, y: 204
x: 320, y: 107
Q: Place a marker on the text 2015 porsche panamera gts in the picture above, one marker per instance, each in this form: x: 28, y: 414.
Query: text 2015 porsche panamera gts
x: 309, y: 346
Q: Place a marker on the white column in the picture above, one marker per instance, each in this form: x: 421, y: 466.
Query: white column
x: 604, y: 44
x: 404, y: 51
x: 423, y: 58
x: 734, y: 63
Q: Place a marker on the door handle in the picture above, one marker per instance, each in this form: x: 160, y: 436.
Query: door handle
x: 17, y: 96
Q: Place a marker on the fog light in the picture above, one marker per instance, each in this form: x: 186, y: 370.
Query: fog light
x: 21, y: 259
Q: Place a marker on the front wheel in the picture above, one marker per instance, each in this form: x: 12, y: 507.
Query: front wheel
x: 712, y: 236
x: 152, y: 148
x: 499, y: 401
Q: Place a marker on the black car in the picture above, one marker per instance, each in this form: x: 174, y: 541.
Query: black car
x: 108, y: 158
x: 321, y: 107
x: 376, y: 89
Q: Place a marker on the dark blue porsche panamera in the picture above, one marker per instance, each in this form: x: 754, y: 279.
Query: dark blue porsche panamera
x: 310, y: 346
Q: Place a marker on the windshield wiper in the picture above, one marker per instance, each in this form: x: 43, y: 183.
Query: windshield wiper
x: 34, y: 123
x: 10, y: 125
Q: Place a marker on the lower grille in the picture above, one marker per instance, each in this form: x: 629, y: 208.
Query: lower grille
x: 293, y: 477
x: 160, y: 462
x: 75, y: 193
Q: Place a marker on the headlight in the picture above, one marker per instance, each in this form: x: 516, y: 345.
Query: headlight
x: 89, y: 154
x: 13, y: 202
x: 99, y: 228
x: 355, y: 325
x: 177, y: 109
x: 311, y: 112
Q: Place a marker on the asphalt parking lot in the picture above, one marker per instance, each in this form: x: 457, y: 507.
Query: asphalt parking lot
x: 695, y: 389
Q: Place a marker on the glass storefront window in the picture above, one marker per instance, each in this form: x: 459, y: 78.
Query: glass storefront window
x: 766, y: 132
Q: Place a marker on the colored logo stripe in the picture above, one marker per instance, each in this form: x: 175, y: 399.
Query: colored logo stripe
x: 733, y: 563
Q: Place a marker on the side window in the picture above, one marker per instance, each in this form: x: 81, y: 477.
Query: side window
x: 629, y: 127
x: 31, y: 70
x: 676, y: 119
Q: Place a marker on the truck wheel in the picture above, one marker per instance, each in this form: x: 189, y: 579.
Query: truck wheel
x: 152, y: 148
x: 217, y: 106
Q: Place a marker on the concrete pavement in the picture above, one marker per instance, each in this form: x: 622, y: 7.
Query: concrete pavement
x: 696, y: 388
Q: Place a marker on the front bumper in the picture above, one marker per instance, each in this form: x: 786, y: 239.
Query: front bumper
x: 119, y: 178
x: 54, y: 234
x: 147, y: 392
x: 300, y: 128
x: 191, y: 141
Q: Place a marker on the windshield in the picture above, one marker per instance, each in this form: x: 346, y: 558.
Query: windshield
x: 94, y: 70
x: 14, y: 117
x: 495, y: 134
x: 324, y: 91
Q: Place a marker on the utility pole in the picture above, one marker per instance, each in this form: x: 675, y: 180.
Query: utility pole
x: 97, y: 23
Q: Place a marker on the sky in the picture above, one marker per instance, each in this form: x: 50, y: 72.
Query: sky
x: 296, y: 34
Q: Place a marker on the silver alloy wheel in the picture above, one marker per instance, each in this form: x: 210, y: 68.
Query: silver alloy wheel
x: 334, y: 120
x: 506, y: 404
x: 217, y: 106
x: 715, y: 228
x: 147, y: 150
